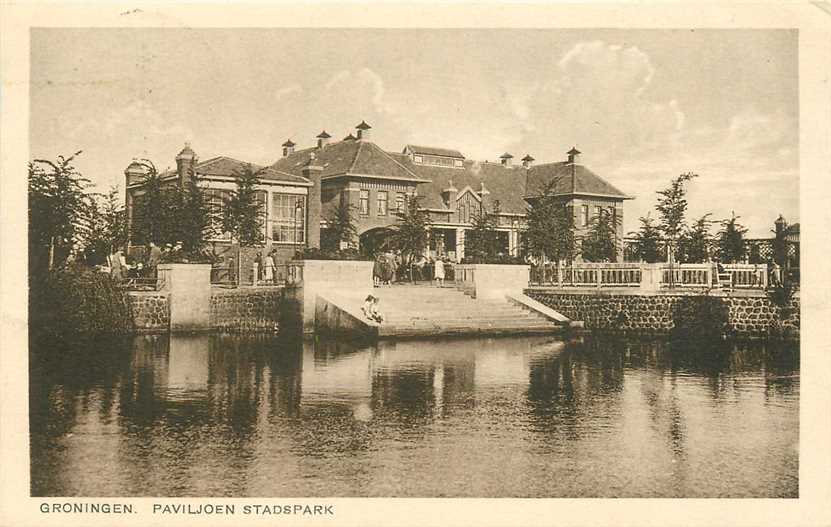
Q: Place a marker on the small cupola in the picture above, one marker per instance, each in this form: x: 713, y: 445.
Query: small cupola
x: 288, y: 148
x: 574, y: 156
x: 185, y: 161
x: 349, y: 137
x: 323, y: 139
x: 363, y: 131
x: 527, y: 161
x: 135, y: 172
x: 505, y: 159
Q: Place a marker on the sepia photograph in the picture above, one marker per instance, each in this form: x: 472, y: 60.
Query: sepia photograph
x: 296, y: 264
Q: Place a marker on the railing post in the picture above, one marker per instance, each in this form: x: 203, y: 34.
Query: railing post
x: 559, y: 275
x: 599, y: 277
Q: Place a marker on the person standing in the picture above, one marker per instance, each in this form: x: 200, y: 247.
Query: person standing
x: 268, y: 268
x: 154, y: 258
x: 438, y: 272
x: 118, y: 266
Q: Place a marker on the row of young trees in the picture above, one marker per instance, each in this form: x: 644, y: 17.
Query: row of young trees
x: 695, y: 242
x: 550, y: 232
x: 69, y: 220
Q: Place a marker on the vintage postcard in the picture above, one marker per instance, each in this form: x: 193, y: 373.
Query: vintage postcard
x: 415, y: 264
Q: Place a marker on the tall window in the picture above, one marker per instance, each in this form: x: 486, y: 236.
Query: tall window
x: 382, y: 202
x: 400, y: 200
x: 584, y: 215
x: 216, y: 207
x: 364, y: 202
x: 288, y: 218
x: 598, y: 210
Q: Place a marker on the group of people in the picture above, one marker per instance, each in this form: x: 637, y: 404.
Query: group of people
x: 383, y: 272
x: 266, y: 269
x: 387, y: 263
x: 121, y: 270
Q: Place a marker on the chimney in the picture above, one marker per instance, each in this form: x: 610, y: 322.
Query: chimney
x: 323, y: 139
x: 505, y: 159
x: 449, y: 194
x: 363, y: 131
x: 527, y: 161
x: 312, y: 171
x: 288, y: 148
x: 574, y: 156
x: 185, y: 161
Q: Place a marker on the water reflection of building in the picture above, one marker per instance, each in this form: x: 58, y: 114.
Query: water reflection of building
x: 188, y: 362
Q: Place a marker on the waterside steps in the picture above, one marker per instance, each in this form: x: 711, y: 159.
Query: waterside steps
x: 429, y: 311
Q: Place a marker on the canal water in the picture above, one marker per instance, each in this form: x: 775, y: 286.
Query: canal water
x: 222, y: 415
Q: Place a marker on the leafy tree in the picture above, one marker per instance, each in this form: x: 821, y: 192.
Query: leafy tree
x: 646, y: 245
x: 167, y: 213
x: 695, y: 244
x: 107, y: 226
x: 411, y: 233
x: 57, y: 207
x: 154, y: 211
x: 482, y: 240
x: 672, y: 207
x: 340, y: 227
x: 191, y: 215
x: 549, y: 231
x: 731, y: 240
x: 243, y: 214
x: 600, y: 242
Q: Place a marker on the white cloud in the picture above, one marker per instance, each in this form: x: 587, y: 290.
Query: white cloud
x: 288, y: 90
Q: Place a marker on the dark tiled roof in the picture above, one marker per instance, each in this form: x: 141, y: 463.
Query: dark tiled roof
x: 363, y: 126
x: 505, y: 184
x: 506, y: 155
x: 569, y: 178
x: 228, y: 167
x: 323, y: 135
x: 288, y: 143
x: 433, y: 151
x: 353, y: 157
x: 527, y: 157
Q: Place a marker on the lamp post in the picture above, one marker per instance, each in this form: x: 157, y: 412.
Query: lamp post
x: 298, y: 210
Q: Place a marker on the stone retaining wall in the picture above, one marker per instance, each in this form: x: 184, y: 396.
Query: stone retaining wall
x: 150, y: 310
x: 749, y: 316
x: 231, y: 310
x: 246, y: 309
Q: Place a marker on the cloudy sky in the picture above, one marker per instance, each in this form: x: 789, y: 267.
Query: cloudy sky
x: 642, y: 105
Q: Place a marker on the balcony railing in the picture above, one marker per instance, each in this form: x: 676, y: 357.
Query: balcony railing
x: 588, y: 275
x: 654, y: 276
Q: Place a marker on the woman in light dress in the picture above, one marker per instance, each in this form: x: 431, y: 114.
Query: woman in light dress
x: 438, y: 272
x: 268, y: 268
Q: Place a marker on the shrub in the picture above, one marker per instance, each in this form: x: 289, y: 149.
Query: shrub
x: 313, y: 253
x: 700, y: 318
x: 494, y: 259
x: 77, y: 301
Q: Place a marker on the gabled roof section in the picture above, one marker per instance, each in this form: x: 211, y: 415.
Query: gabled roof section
x: 347, y: 157
x: 433, y: 151
x: 229, y: 167
x: 569, y: 179
x: 506, y: 184
x: 468, y: 190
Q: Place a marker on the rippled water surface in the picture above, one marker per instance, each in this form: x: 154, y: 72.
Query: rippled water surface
x: 263, y: 416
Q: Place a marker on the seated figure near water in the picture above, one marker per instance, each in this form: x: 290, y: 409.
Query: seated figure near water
x: 371, y: 310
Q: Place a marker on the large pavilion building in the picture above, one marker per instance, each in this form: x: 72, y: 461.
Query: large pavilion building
x: 301, y: 189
